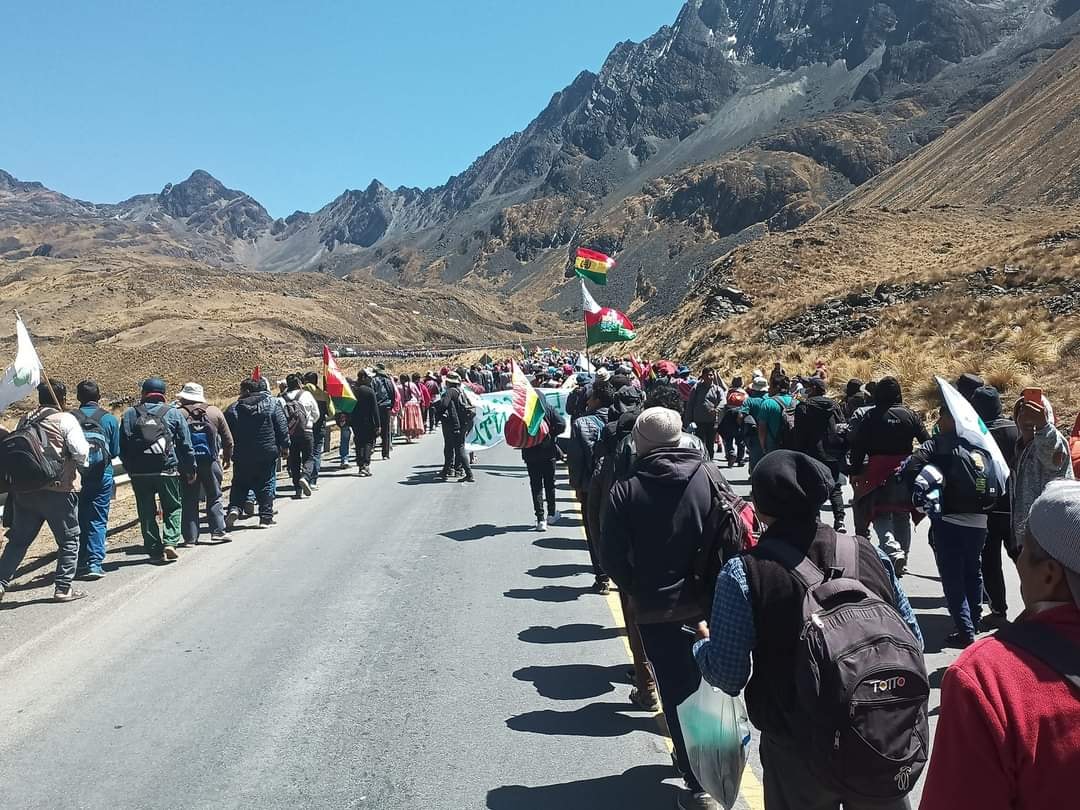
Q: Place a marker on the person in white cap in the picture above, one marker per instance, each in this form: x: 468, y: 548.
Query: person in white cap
x: 213, y: 444
x: 1009, y: 733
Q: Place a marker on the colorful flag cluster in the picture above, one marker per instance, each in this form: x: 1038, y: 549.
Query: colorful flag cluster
x: 337, y: 387
x: 593, y: 265
x: 604, y: 324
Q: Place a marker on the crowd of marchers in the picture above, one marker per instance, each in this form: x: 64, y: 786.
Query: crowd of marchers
x: 840, y: 702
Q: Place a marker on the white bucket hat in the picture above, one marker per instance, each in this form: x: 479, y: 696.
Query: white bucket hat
x: 192, y: 392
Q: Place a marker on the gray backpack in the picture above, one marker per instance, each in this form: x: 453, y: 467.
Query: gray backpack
x: 860, y: 679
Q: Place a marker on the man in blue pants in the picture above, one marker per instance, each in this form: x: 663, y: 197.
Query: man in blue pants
x: 102, y: 431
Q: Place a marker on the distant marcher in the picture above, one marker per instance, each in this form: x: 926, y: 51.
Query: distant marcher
x: 102, y: 432
x: 385, y: 395
x: 301, y: 414
x: 580, y: 462
x: 1042, y: 456
x: 434, y: 389
x: 1008, y: 737
x: 260, y: 436
x: 412, y: 416
x: 212, y: 442
x: 364, y: 423
x: 540, y: 464
x: 704, y: 408
x: 320, y: 428
x: 456, y: 416
x: 56, y: 503
x: 818, y: 432
x: 987, y: 404
x: 155, y: 444
x: 880, y: 442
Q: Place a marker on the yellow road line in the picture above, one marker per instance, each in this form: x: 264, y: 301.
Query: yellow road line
x: 750, y: 789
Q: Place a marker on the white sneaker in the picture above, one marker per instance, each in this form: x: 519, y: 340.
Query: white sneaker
x: 541, y: 526
x: 553, y: 519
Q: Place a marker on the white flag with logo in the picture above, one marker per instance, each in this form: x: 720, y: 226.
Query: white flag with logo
x: 22, y: 377
x: 970, y: 426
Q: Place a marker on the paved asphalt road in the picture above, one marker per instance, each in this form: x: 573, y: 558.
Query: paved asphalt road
x: 393, y: 643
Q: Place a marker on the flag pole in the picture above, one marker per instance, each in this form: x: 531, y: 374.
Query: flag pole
x: 44, y: 374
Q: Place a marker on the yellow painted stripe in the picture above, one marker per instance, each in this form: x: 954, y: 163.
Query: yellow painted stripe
x: 750, y: 788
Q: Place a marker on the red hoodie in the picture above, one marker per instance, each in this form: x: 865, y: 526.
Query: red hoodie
x: 1009, y: 733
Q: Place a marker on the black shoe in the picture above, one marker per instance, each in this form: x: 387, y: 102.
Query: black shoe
x: 602, y: 586
x: 467, y: 479
x: 995, y: 620
x: 958, y: 641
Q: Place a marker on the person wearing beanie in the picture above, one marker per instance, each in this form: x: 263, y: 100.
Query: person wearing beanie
x: 987, y: 404
x: 1008, y: 737
x: 155, y: 446
x: 652, y: 533
x: 967, y: 384
x: 757, y: 619
x: 581, y: 464
x: 880, y: 440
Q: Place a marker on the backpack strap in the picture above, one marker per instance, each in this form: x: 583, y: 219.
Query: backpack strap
x: 1046, y: 644
x: 798, y: 565
x: 845, y: 557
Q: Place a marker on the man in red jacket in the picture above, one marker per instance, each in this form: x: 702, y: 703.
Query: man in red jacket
x: 1009, y: 734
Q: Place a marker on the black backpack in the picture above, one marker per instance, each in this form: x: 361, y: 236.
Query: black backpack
x: 28, y: 461
x: 204, y: 439
x: 860, y: 679
x: 295, y: 415
x: 149, y: 441
x: 787, y: 422
x: 970, y: 481
x: 95, y: 435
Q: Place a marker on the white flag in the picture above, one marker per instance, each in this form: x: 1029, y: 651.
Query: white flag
x: 583, y: 364
x: 972, y: 428
x: 22, y: 377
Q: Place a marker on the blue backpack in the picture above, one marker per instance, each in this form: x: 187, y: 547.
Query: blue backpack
x: 95, y: 436
x: 203, y: 433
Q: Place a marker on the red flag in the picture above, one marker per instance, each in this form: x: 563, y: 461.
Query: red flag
x: 257, y: 373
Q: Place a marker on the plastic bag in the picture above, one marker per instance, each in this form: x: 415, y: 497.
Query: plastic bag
x: 717, y: 734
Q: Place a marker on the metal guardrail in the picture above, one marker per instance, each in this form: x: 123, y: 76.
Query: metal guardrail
x: 120, y: 478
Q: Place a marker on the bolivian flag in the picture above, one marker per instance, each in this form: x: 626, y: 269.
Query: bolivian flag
x: 604, y: 324
x: 341, y: 395
x: 526, y: 401
x: 593, y: 265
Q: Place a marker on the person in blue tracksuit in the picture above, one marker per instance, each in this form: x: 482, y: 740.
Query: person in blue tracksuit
x: 102, y: 431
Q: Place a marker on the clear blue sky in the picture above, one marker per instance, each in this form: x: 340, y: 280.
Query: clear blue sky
x: 292, y: 102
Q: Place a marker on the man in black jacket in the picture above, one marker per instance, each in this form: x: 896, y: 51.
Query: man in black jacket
x: 364, y: 422
x: 817, y: 433
x: 260, y: 436
x: 453, y: 411
x: 385, y: 391
x: 580, y: 463
x: 987, y: 403
x: 540, y: 462
x: 652, y: 531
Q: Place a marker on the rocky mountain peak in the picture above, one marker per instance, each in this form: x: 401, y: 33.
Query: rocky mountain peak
x: 200, y: 190
x: 9, y: 182
x: 209, y: 206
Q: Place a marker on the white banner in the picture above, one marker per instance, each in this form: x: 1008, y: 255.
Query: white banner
x: 492, y: 411
x: 971, y: 428
x: 22, y: 377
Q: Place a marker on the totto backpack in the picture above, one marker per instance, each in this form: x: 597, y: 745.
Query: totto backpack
x: 28, y: 461
x: 203, y: 434
x: 860, y: 679
x: 970, y: 481
x: 95, y: 435
x: 295, y: 415
x: 786, y: 429
x: 149, y: 440
x: 731, y: 528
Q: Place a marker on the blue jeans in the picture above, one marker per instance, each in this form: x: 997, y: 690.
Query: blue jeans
x: 959, y: 558
x: 257, y: 477
x: 95, y: 500
x: 343, y: 450
x: 317, y: 440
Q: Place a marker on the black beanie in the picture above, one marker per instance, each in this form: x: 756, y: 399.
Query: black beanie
x: 967, y: 384
x: 853, y: 386
x: 790, y: 484
x: 887, y: 393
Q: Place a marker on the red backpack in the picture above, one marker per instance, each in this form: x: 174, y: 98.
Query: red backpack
x: 731, y: 528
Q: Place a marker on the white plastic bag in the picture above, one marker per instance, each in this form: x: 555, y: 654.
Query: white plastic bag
x: 717, y: 734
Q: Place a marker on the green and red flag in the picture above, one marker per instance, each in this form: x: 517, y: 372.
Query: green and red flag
x: 604, y: 324
x: 593, y: 265
x: 341, y: 394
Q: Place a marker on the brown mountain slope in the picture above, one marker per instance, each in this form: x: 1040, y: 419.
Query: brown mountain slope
x: 1022, y: 148
x: 966, y: 257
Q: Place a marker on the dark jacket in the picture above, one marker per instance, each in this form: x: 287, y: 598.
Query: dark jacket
x: 652, y: 530
x: 817, y: 431
x: 987, y: 403
x: 576, y: 400
x: 451, y: 410
x: 364, y: 419
x: 546, y: 451
x: 584, y: 434
x: 383, y: 386
x: 885, y: 432
x: 777, y: 599
x: 705, y: 403
x: 258, y: 427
